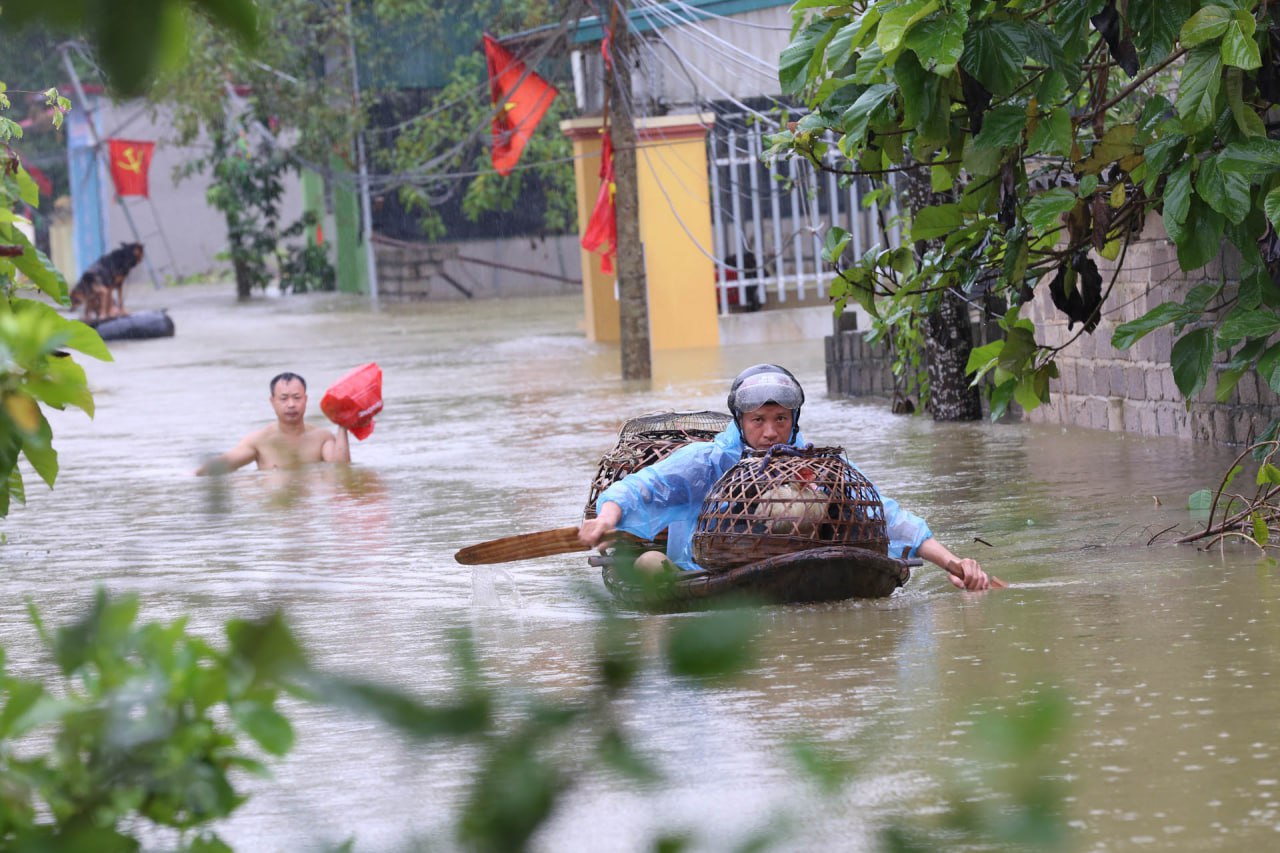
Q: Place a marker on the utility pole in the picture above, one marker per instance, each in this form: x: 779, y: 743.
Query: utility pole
x: 362, y: 169
x: 633, y: 298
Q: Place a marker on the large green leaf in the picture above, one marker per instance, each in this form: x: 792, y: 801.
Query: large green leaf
x: 850, y: 37
x: 264, y: 724
x: 1052, y: 134
x: 1243, y: 323
x: 939, y: 41
x: 1127, y: 334
x: 1225, y: 192
x: 1001, y: 128
x: 1043, y: 210
x: 1252, y: 157
x: 936, y: 221
x: 895, y: 22
x: 1239, y: 49
x: 1202, y: 237
x: 1191, y: 359
x: 1207, y: 24
x: 993, y: 54
x: 1045, y: 47
x: 40, y: 453
x: 70, y: 334
x: 855, y: 119
x: 795, y: 59
x: 1157, y: 23
x: 1271, y: 204
x: 1198, y: 87
x: 1269, y: 367
x: 1177, y: 199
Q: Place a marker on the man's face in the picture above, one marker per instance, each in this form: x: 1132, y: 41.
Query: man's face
x: 766, y: 426
x: 289, y: 400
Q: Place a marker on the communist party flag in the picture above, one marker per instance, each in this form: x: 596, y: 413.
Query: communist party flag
x: 519, y: 104
x: 130, y: 161
x: 602, y: 227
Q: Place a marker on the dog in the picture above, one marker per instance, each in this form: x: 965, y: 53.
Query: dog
x: 101, y: 289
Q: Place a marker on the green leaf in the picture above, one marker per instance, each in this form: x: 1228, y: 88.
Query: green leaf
x: 265, y: 725
x: 1002, y: 128
x: 1260, y: 531
x: 1177, y: 199
x: 1268, y: 473
x: 855, y: 119
x: 1253, y: 157
x: 1157, y: 23
x: 1242, y: 323
x: 936, y: 221
x: 1052, y: 134
x: 1198, y: 87
x: 850, y: 37
x: 1191, y: 359
x: 1239, y: 49
x: 794, y: 61
x: 1225, y: 192
x: 1043, y: 210
x: 993, y: 54
x: 716, y: 644
x: 895, y: 22
x: 1202, y: 240
x: 983, y: 359
x: 1127, y: 334
x: 1207, y: 24
x: 939, y: 41
x: 1269, y: 367
x: 1271, y: 205
x: 40, y: 453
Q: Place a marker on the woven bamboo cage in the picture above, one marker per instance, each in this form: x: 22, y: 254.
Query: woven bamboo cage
x: 650, y: 438
x: 774, y: 503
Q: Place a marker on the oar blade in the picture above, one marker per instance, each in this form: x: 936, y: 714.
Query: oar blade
x: 525, y: 546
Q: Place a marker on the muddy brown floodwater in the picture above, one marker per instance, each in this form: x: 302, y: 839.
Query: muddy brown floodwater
x: 496, y: 413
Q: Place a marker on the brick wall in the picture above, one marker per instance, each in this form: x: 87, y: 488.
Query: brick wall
x: 1101, y: 387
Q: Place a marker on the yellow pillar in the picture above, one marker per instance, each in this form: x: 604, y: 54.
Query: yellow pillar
x: 598, y: 291
x: 675, y: 228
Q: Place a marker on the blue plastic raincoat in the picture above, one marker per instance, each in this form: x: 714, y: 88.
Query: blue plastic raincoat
x: 668, y: 496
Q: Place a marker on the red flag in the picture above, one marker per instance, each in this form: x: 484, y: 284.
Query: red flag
x: 602, y: 228
x: 130, y: 161
x: 519, y: 104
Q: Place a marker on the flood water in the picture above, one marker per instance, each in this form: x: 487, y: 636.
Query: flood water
x: 496, y: 414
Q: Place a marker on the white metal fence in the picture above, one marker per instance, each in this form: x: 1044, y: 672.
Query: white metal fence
x: 769, y: 220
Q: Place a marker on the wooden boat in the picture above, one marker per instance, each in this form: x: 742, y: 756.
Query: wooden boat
x: 832, y: 573
x: 137, y: 326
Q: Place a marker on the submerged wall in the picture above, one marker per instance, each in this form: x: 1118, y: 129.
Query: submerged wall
x: 1101, y: 387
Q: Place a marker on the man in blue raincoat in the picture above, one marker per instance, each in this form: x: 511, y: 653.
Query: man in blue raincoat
x: 765, y: 402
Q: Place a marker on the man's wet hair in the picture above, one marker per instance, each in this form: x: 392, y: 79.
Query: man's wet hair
x: 286, y: 377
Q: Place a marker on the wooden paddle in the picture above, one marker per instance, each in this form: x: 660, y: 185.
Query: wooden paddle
x: 526, y: 546
x: 563, y: 540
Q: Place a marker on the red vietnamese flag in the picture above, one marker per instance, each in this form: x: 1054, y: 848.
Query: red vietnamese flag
x: 519, y: 104
x: 602, y: 228
x: 130, y: 161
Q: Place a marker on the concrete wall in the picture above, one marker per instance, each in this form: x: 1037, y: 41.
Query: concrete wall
x: 487, y: 268
x: 181, y: 232
x: 1101, y: 387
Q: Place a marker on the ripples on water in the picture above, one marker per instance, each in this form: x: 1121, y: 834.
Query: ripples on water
x: 496, y: 414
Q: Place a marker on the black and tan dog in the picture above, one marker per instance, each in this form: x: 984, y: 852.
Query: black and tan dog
x: 101, y: 288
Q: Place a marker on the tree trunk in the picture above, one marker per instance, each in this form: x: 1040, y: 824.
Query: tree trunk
x: 948, y: 339
x: 948, y: 335
x: 633, y: 299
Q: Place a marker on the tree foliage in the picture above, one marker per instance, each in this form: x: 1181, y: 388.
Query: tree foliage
x: 1062, y: 125
x: 36, y: 372
x: 444, y: 151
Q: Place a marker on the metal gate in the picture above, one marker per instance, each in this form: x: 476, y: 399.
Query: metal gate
x: 769, y: 220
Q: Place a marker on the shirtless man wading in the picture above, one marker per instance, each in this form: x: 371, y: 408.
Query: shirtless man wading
x: 288, y: 442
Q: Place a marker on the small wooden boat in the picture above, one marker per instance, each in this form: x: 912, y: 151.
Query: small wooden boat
x: 136, y: 326
x: 832, y: 573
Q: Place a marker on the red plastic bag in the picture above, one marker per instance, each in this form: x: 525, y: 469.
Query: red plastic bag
x: 354, y: 399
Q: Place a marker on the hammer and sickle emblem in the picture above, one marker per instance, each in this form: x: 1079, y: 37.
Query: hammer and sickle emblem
x: 129, y: 161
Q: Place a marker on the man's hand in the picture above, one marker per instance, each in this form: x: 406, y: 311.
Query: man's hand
x: 967, y: 573
x: 595, y: 530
